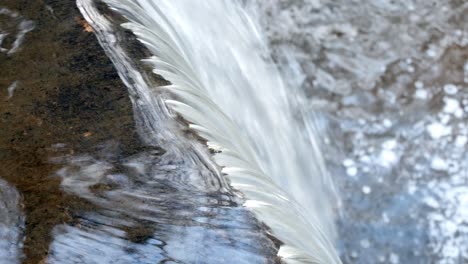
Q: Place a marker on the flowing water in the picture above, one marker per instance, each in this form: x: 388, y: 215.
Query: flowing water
x: 232, y: 156
x: 390, y: 78
x: 209, y: 76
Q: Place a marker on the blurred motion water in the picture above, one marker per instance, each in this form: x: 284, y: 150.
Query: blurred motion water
x: 391, y: 80
x: 87, y: 187
x: 152, y: 207
x: 94, y: 169
x: 192, y: 55
x: 13, y: 30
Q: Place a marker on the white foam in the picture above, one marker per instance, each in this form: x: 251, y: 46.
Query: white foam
x: 452, y: 106
x: 450, y: 89
x: 437, y: 130
x: 421, y: 94
x: 439, y: 164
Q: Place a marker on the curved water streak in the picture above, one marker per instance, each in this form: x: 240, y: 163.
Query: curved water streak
x: 219, y: 87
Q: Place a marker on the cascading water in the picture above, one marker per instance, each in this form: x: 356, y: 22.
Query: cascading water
x: 82, y: 183
x: 225, y: 85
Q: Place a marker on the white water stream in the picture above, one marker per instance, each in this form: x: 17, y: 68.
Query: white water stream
x: 389, y: 78
x: 225, y: 85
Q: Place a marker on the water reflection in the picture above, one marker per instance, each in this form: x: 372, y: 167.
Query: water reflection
x: 11, y: 89
x: 86, y: 201
x: 13, y: 28
x: 152, y: 208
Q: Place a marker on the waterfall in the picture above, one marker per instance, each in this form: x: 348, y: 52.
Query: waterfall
x: 224, y: 84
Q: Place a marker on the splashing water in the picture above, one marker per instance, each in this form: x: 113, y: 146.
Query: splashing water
x: 225, y: 85
x: 389, y: 75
